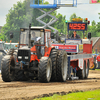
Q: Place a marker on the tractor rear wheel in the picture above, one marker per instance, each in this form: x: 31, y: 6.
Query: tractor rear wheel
x: 62, y: 66
x: 53, y: 57
x: 45, y: 69
x: 7, y: 63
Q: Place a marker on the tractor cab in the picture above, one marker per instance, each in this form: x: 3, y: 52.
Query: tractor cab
x: 36, y: 41
x: 33, y: 37
x: 37, y: 36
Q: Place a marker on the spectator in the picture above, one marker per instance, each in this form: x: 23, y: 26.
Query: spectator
x: 98, y: 61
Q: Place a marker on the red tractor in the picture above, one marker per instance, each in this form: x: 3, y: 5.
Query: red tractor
x: 35, y: 58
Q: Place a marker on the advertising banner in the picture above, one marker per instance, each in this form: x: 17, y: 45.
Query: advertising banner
x: 94, y: 1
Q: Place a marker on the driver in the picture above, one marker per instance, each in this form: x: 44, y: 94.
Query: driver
x: 33, y: 37
x: 75, y: 35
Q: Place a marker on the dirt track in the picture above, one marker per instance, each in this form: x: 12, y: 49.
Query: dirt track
x: 26, y: 90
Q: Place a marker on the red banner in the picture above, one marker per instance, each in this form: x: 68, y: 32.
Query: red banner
x: 94, y: 1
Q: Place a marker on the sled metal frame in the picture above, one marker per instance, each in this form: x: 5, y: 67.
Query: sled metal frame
x: 56, y: 5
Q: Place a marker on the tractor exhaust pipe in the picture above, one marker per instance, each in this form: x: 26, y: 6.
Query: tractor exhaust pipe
x: 29, y: 35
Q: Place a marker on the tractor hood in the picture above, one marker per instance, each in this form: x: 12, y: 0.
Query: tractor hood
x: 24, y: 54
x: 24, y: 48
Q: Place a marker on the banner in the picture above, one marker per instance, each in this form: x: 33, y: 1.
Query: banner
x: 94, y: 1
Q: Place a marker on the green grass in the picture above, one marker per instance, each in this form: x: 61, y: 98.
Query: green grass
x: 88, y: 95
x: 97, y: 69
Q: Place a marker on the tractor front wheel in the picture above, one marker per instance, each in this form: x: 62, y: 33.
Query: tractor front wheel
x: 45, y: 69
x: 7, y: 71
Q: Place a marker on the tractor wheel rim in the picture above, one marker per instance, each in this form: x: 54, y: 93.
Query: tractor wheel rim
x: 64, y: 68
x: 48, y: 69
x: 87, y: 69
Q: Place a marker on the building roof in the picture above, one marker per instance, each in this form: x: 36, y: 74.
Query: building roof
x: 95, y: 39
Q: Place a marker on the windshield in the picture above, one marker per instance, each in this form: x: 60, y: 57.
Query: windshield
x: 24, y: 37
x: 36, y: 36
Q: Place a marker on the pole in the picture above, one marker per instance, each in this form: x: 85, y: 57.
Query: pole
x: 76, y: 2
x: 33, y: 1
x: 29, y: 36
x: 73, y: 2
x: 55, y: 1
x: 42, y: 1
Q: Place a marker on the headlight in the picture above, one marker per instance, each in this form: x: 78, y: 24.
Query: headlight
x: 26, y: 57
x: 19, y: 57
x: 33, y: 53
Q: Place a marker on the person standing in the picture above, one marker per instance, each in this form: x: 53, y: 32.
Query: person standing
x: 98, y: 61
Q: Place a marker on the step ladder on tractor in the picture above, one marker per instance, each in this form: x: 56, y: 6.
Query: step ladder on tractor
x: 56, y: 5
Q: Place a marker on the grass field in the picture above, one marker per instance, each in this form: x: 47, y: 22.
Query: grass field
x: 97, y: 69
x: 88, y: 95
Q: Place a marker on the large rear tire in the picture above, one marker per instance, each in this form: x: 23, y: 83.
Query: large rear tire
x: 8, y: 74
x: 53, y: 57
x: 45, y: 69
x: 62, y: 66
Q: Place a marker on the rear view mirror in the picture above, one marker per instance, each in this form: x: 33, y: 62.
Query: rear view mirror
x: 89, y: 35
x: 11, y: 35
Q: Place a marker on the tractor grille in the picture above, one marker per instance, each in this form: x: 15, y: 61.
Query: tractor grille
x: 23, y: 55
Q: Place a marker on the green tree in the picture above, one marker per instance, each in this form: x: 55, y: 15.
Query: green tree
x: 94, y: 28
x: 93, y: 23
x: 73, y: 16
x: 98, y: 26
x: 20, y: 15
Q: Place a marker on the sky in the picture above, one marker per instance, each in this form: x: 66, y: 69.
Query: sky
x: 83, y: 9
